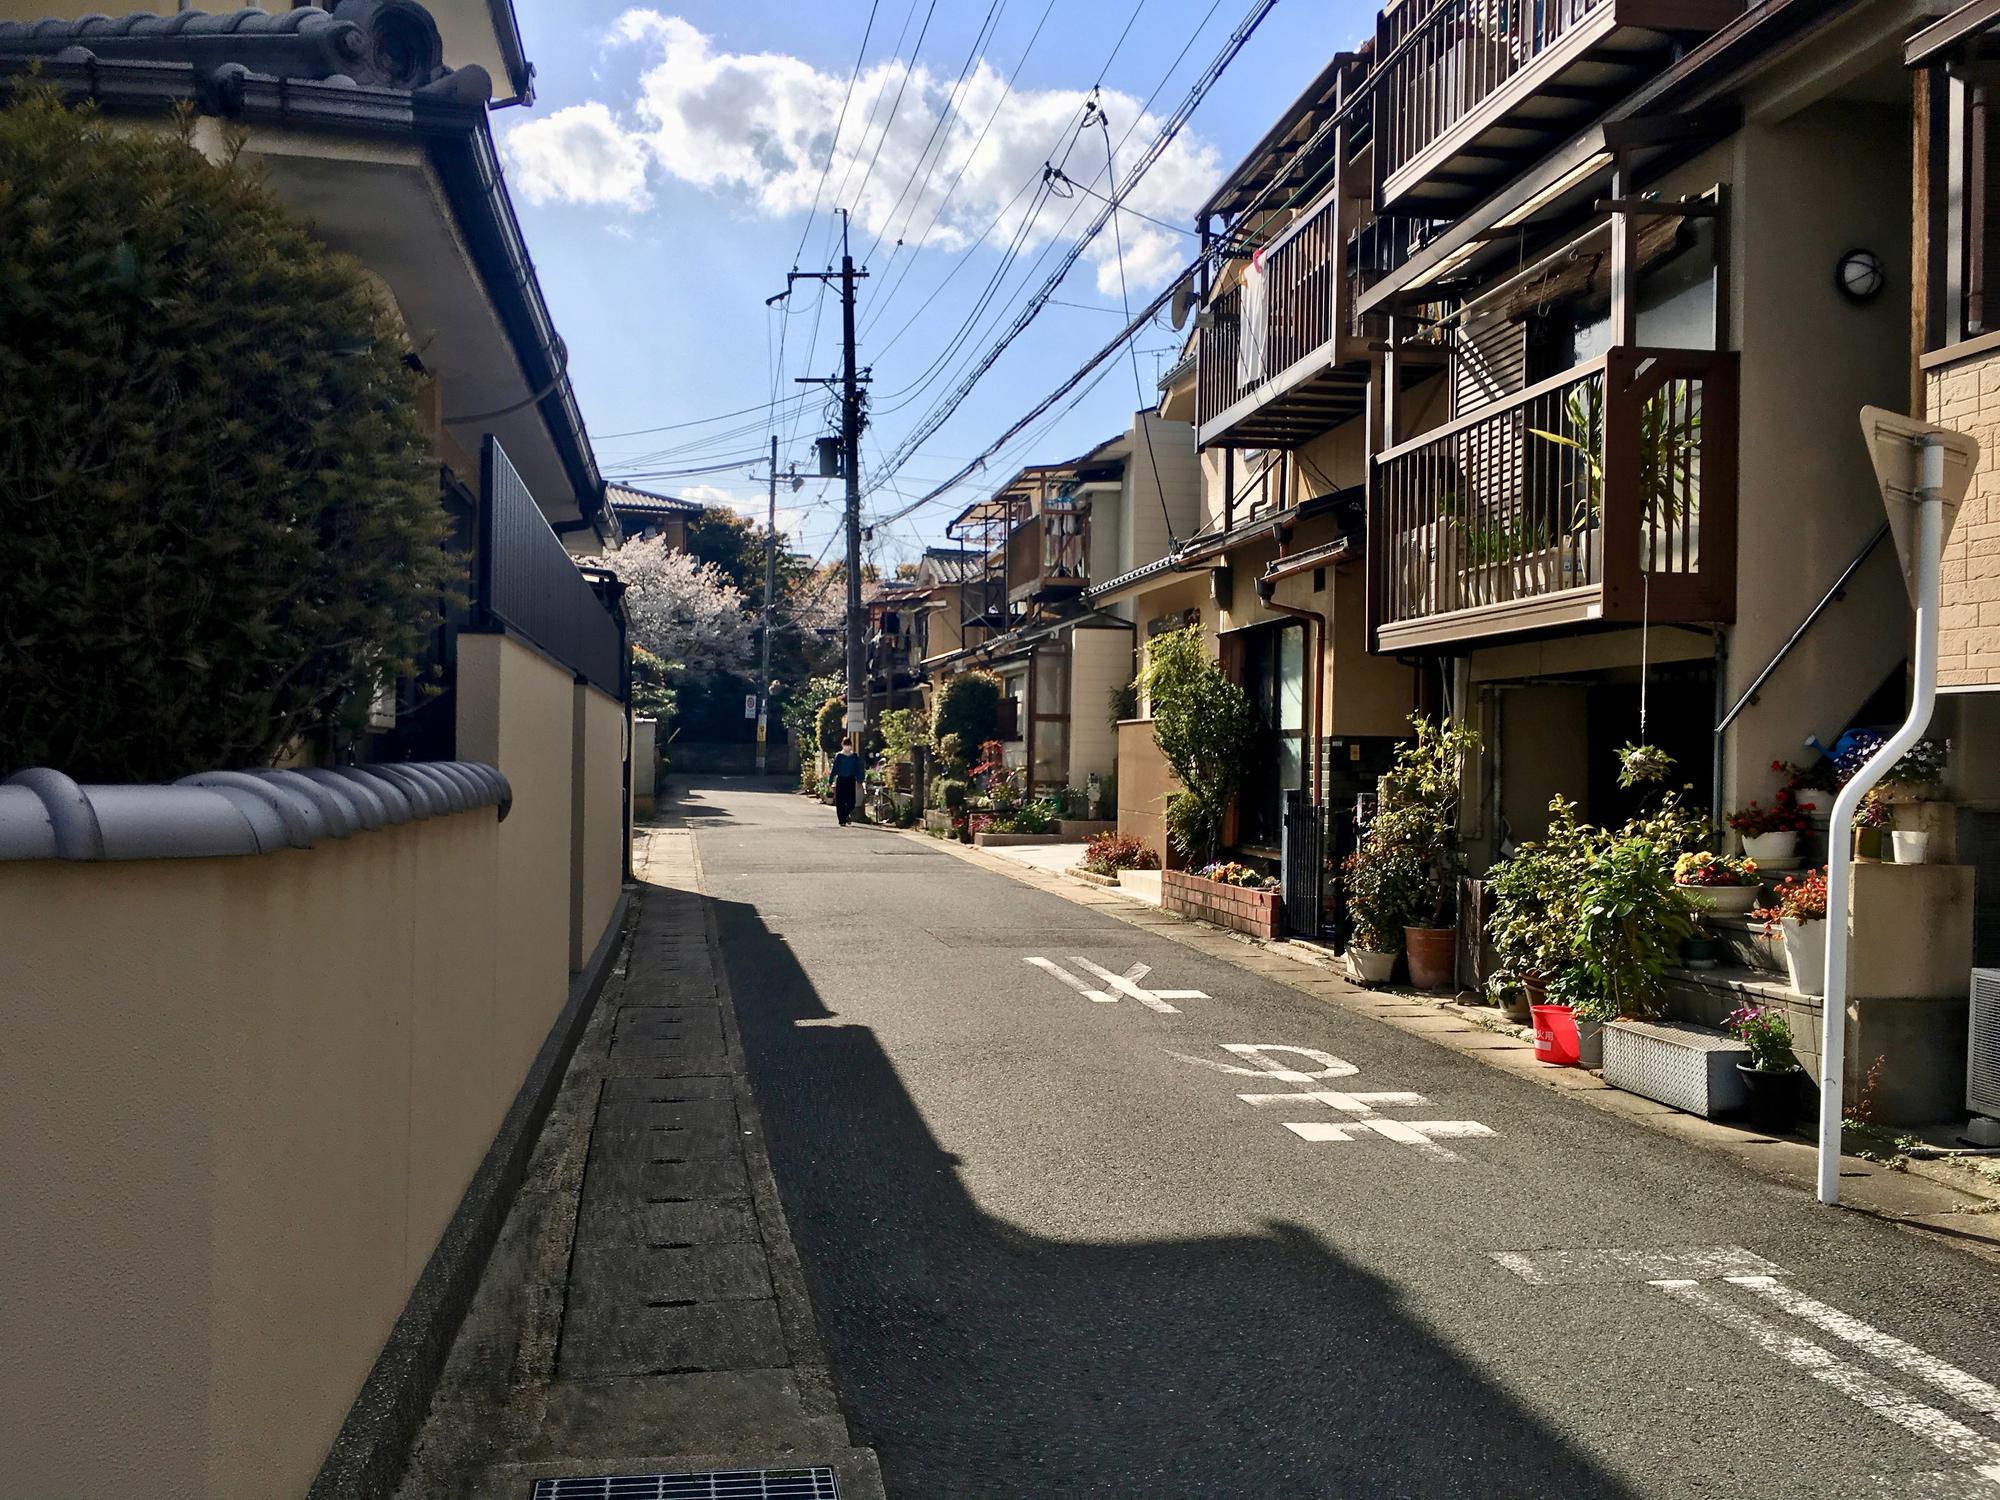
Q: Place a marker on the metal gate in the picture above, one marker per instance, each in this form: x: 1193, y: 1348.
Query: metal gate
x: 1315, y: 842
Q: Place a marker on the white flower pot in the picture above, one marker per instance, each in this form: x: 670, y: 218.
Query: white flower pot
x: 1805, y: 955
x: 1911, y: 846
x: 1365, y: 966
x: 1770, y: 845
x: 1724, y: 900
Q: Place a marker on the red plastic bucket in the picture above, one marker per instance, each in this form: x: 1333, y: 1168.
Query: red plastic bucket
x: 1556, y: 1040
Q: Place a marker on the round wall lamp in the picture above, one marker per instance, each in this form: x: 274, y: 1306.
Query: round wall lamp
x: 1859, y: 275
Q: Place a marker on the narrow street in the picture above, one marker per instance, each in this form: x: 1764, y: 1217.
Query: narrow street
x: 1083, y: 1211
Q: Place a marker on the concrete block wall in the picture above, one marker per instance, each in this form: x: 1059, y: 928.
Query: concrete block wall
x: 1965, y: 396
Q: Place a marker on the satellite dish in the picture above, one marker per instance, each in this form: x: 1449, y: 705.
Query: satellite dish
x: 1183, y: 302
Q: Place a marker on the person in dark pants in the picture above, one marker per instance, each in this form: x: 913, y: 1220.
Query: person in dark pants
x: 846, y: 778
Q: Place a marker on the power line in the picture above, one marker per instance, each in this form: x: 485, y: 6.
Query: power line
x: 1237, y: 39
x: 888, y: 125
x: 833, y: 146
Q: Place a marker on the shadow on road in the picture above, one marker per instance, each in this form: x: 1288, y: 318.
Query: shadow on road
x: 983, y: 1361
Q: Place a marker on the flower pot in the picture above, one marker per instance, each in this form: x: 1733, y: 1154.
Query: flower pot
x: 1723, y: 900
x: 1773, y: 1098
x: 1910, y: 845
x: 1365, y: 966
x: 1805, y: 955
x: 1868, y: 845
x: 1518, y: 1006
x: 1433, y: 955
x: 1771, y: 845
x: 1562, y: 1039
x: 1699, y: 952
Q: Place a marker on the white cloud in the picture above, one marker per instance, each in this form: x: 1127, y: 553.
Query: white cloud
x: 757, y: 127
x: 579, y: 155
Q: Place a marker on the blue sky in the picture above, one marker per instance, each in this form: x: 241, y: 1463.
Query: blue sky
x: 665, y: 174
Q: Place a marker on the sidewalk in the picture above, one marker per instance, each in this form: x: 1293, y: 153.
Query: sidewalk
x: 644, y: 1311
x: 1922, y: 1199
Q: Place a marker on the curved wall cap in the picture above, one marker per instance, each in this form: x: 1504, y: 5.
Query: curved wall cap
x: 46, y: 815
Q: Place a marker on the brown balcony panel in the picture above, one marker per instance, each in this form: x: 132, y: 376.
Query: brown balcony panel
x: 1047, y: 557
x: 1311, y: 375
x: 1477, y: 90
x: 1606, y: 495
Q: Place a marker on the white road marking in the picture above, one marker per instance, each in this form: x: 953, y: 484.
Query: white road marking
x: 1908, y: 1358
x: 1125, y: 984
x: 1352, y: 1104
x: 1270, y: 1067
x: 1966, y: 1484
x: 1887, y: 1401
x: 1591, y: 1267
x: 1422, y: 1134
x: 1072, y: 981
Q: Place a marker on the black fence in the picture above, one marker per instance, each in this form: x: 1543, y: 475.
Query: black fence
x: 1316, y: 841
x: 528, y: 582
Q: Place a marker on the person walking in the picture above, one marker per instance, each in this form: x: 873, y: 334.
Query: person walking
x: 846, y: 780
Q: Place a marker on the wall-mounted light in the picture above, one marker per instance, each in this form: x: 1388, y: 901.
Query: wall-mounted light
x: 1859, y: 275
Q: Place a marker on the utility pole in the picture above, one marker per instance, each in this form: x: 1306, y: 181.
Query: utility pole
x: 851, y: 380
x: 850, y: 460
x: 770, y: 604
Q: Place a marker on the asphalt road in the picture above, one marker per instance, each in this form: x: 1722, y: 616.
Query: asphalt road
x: 1057, y: 1254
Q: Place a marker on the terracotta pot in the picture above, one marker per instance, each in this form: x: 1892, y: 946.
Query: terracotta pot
x: 1433, y: 953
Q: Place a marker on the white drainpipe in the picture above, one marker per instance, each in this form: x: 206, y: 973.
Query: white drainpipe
x: 1840, y: 873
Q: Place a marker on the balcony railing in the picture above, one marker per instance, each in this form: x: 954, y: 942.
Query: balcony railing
x: 1605, y: 494
x: 1470, y: 91
x: 1048, y: 554
x: 1247, y: 359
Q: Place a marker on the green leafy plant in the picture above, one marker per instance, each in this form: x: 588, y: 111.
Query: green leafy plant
x: 1381, y: 890
x: 1669, y: 444
x: 903, y: 729
x: 1767, y: 1033
x: 830, y: 725
x: 1641, y: 765
x: 1202, y: 723
x: 1108, y: 853
x: 1630, y: 921
x: 948, y: 793
x: 222, y: 529
x: 1534, y: 892
x: 1124, y: 703
x: 967, y: 706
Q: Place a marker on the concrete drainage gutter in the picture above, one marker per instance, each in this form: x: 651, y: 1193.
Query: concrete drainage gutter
x: 214, y: 814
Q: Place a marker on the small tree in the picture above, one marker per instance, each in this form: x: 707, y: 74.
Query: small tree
x: 902, y: 730
x: 831, y: 725
x: 683, y: 610
x: 1202, y: 723
x: 968, y: 706
x: 219, y: 512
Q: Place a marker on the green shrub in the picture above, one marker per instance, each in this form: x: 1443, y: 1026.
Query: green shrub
x: 903, y: 729
x: 219, y: 517
x: 967, y: 706
x: 949, y: 793
x: 1109, y: 853
x: 831, y: 725
x: 1202, y: 723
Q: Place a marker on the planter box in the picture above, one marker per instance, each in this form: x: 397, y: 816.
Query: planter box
x: 1078, y: 829
x: 1008, y: 840
x: 1235, y: 907
x: 1688, y: 1067
x: 937, y: 820
x: 1091, y: 877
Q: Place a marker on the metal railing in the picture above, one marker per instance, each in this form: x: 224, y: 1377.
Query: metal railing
x: 1442, y: 59
x: 1616, y: 478
x: 1301, y: 285
x: 528, y: 582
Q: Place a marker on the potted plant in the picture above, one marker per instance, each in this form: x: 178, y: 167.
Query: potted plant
x: 1871, y: 823
x: 1532, y: 923
x: 1722, y: 885
x: 1798, y: 906
x: 1377, y: 903
x: 1772, y: 833
x: 1631, y: 921
x: 1771, y: 1077
x: 1417, y: 828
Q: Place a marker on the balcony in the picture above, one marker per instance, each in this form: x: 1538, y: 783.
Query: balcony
x: 1469, y: 92
x: 1296, y: 379
x: 1048, y: 553
x: 1605, y: 495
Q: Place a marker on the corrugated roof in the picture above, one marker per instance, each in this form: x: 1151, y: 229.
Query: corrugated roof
x: 623, y: 497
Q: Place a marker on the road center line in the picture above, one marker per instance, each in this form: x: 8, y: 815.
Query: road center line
x: 1887, y: 1401
x: 1908, y: 1358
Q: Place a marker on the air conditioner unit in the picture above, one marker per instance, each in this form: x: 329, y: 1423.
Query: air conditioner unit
x: 1982, y: 1050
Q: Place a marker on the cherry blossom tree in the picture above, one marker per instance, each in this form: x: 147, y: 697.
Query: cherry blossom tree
x: 684, y: 611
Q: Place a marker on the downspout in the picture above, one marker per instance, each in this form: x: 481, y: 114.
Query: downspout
x: 1929, y: 499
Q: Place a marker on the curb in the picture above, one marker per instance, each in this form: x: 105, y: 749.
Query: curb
x: 1925, y: 1200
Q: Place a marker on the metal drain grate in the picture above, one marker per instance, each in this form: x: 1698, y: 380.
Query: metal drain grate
x: 712, y: 1484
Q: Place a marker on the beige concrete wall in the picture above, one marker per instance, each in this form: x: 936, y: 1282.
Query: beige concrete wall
x: 1965, y: 396
x: 1365, y: 694
x: 1805, y: 189
x: 1162, y: 468
x: 517, y: 711
x: 230, y: 1139
x: 1143, y: 784
x: 597, y: 829
x: 1100, y: 663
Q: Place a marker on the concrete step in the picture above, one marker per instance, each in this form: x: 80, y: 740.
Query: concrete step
x: 1744, y: 945
x: 1707, y: 996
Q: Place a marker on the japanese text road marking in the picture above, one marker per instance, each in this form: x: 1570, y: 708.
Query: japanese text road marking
x: 1116, y: 984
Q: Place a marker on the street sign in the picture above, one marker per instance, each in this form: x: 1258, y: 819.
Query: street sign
x: 1893, y: 444
x: 749, y: 705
